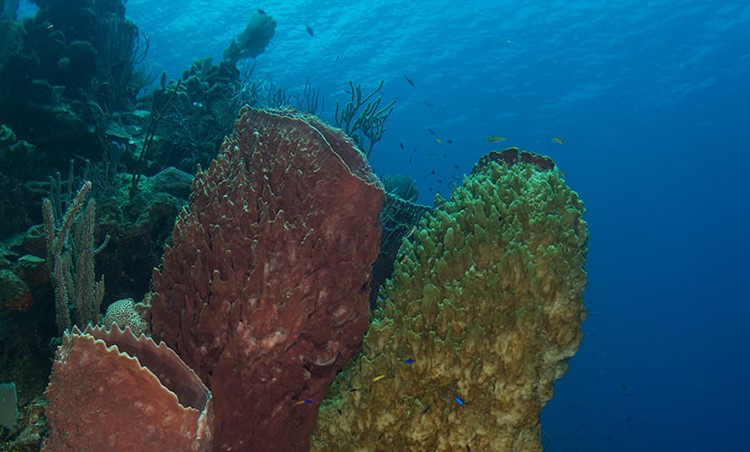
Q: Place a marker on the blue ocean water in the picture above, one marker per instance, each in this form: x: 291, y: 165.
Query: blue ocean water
x: 652, y: 100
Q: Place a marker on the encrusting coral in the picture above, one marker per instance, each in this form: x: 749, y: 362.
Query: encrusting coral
x: 124, y: 314
x: 478, y: 321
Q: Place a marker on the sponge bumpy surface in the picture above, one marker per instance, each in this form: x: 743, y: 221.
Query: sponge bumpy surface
x: 487, y: 301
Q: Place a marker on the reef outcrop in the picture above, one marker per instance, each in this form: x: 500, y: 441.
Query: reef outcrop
x: 264, y: 289
x: 483, y: 311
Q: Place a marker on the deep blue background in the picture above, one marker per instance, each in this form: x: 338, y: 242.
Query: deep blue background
x: 652, y: 99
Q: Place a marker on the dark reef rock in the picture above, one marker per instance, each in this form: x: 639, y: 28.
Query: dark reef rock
x: 18, y: 158
x: 171, y: 181
x: 138, y: 230
x: 511, y: 156
x: 19, y: 206
x: 15, y: 295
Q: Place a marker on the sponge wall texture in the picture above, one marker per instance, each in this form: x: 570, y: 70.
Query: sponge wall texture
x: 478, y: 321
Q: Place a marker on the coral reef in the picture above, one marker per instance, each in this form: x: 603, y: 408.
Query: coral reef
x: 18, y: 200
x: 112, y: 391
x: 138, y: 228
x: 198, y: 113
x: 65, y: 71
x: 478, y: 321
x: 264, y: 289
x: 26, y: 325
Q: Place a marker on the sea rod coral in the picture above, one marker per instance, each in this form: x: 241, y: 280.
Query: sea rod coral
x: 264, y: 289
x: 482, y: 313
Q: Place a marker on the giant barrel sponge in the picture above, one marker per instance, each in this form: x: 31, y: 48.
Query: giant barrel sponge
x: 483, y: 311
x: 264, y: 290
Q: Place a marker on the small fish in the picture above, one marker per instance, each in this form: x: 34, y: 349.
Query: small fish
x: 409, y: 159
x: 198, y: 104
x: 429, y: 104
x: 49, y: 27
x: 302, y: 402
x: 456, y: 166
x: 438, y: 140
x: 401, y: 143
x: 449, y: 141
x: 310, y: 30
x: 426, y: 409
x: 432, y: 132
x: 260, y: 11
x: 557, y: 140
x: 432, y: 172
x: 409, y: 81
x: 378, y: 378
x: 459, y: 400
x: 409, y: 361
x: 494, y: 138
x: 339, y: 410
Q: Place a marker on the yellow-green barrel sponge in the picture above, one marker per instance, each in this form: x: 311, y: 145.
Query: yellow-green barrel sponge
x: 484, y: 308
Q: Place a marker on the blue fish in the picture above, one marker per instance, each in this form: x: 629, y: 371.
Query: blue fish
x: 409, y: 361
x: 459, y: 400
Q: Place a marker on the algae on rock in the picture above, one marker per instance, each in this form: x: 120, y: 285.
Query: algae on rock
x: 478, y: 321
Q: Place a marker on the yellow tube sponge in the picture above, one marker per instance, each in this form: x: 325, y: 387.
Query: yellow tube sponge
x: 483, y: 310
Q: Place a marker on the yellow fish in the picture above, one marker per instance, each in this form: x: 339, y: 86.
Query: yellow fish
x: 494, y: 138
x: 557, y: 140
x: 438, y: 140
x: 378, y: 378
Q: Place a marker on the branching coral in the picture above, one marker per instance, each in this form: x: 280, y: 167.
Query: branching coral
x: 484, y: 309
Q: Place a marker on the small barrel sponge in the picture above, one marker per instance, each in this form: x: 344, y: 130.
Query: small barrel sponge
x: 112, y: 391
x: 478, y: 321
